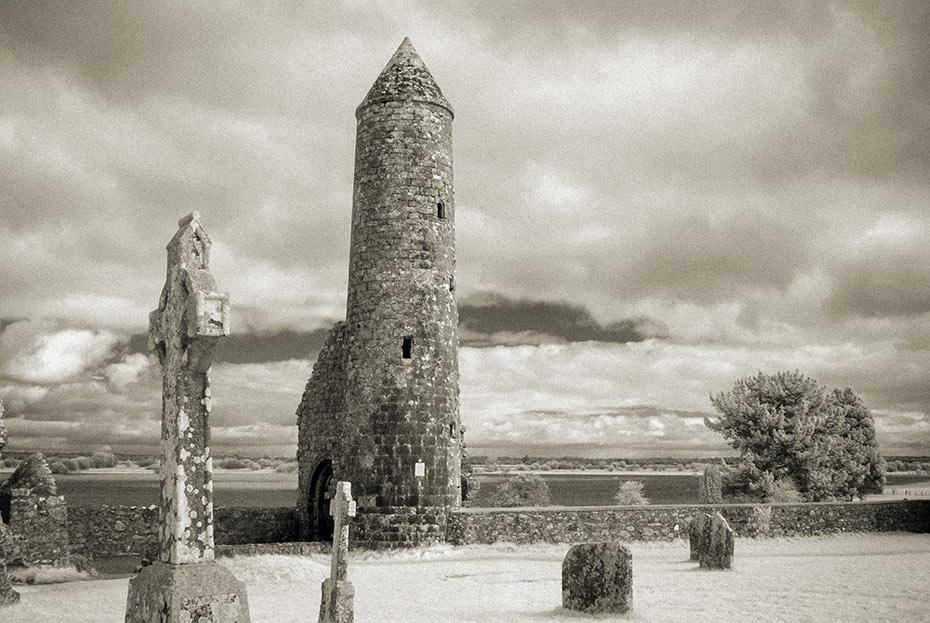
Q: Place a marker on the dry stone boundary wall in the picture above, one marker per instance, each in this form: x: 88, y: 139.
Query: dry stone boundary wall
x: 660, y: 522
x: 119, y: 530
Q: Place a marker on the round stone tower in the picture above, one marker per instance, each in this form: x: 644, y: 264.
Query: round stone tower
x: 381, y: 409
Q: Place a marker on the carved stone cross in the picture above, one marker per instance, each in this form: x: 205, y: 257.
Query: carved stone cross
x: 337, y: 601
x: 185, y: 583
x: 341, y: 508
x: 184, y: 330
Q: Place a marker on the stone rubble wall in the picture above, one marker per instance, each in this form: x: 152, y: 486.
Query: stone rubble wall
x: 39, y: 528
x: 116, y: 530
x: 121, y: 530
x: 661, y: 522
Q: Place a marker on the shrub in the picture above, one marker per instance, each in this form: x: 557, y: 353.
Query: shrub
x: 232, y: 463
x: 72, y: 465
x: 83, y: 462
x: 288, y: 467
x: 103, y: 459
x: 630, y: 493
x: 784, y: 491
x: 470, y: 488
x: 58, y: 467
x: 711, y: 489
x: 521, y: 490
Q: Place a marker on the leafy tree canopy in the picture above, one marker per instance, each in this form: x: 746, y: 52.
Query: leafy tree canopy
x: 791, y: 431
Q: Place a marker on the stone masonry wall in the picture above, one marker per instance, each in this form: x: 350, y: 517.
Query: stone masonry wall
x: 651, y: 523
x: 39, y: 526
x: 321, y: 418
x: 115, y: 530
x: 120, y: 530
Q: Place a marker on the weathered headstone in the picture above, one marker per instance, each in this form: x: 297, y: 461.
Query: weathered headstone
x: 717, y: 544
x: 7, y: 594
x: 597, y: 577
x: 185, y: 584
x: 337, y: 601
x: 696, y: 533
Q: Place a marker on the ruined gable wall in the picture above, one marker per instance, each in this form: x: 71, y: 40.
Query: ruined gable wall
x: 321, y: 416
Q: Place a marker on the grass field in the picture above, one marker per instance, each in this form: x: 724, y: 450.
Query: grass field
x: 872, y: 577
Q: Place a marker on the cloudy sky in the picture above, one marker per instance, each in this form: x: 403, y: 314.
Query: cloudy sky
x: 652, y: 201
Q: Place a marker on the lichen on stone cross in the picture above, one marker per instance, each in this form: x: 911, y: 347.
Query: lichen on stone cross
x: 184, y: 330
x: 341, y: 508
x: 2, y: 430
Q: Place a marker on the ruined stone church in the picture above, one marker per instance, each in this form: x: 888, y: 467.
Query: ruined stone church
x: 381, y: 407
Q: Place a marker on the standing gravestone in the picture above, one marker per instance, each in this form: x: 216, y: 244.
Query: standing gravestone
x: 597, y: 577
x: 717, y: 544
x: 337, y: 602
x: 7, y: 594
x: 185, y: 584
x: 696, y: 534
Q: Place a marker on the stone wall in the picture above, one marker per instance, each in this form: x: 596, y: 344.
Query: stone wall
x: 652, y: 523
x: 122, y: 530
x: 39, y: 527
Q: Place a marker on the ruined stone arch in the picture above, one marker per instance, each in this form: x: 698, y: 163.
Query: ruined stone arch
x: 320, y: 493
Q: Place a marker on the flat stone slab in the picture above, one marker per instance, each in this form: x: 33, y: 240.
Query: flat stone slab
x: 597, y: 577
x: 205, y: 592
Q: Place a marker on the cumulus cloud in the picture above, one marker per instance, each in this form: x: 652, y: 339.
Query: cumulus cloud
x: 748, y: 182
x: 509, y: 393
x: 42, y: 352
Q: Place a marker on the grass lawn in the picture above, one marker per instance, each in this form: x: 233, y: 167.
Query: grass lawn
x: 870, y: 577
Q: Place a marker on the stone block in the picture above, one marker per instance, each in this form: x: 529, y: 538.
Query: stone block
x: 337, y: 604
x: 597, y: 577
x: 8, y: 596
x: 719, y: 539
x: 696, y: 532
x: 204, y: 592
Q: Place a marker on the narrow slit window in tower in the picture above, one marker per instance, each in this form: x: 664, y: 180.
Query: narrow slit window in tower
x: 441, y: 210
x: 451, y: 283
x: 406, y: 347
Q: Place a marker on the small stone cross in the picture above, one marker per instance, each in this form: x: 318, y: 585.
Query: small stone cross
x: 341, y: 508
x: 338, y: 598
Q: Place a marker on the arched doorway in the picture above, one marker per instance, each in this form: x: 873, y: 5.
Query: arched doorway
x: 321, y: 492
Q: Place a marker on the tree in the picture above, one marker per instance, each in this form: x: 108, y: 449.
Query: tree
x: 711, y: 486
x: 521, y: 490
x: 787, y: 428
x: 630, y: 493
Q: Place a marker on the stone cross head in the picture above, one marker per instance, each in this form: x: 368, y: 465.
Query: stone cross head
x: 189, y: 308
x: 342, y: 504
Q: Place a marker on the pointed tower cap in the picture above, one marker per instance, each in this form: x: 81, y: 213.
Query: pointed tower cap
x: 405, y: 78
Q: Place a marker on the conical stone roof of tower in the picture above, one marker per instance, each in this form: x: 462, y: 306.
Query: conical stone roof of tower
x: 405, y: 78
